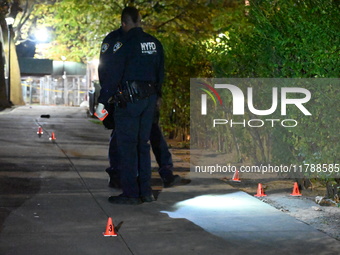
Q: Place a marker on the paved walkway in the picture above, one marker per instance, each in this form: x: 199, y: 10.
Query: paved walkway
x: 53, y: 200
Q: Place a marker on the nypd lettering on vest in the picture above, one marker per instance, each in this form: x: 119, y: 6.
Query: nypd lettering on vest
x: 117, y: 46
x: 148, y: 47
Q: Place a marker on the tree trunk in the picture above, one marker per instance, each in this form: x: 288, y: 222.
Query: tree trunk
x: 16, y: 96
x: 16, y: 88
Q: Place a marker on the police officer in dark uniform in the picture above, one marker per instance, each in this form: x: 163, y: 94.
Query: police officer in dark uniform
x: 132, y: 76
x: 158, y: 143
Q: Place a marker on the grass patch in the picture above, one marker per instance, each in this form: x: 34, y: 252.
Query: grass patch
x: 96, y: 121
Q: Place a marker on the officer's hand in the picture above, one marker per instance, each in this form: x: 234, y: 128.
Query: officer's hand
x: 101, y: 113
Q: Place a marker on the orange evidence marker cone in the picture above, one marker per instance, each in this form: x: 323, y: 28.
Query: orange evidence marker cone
x: 110, y: 228
x: 260, y: 191
x: 236, y: 177
x: 40, y: 131
x: 296, y: 191
x: 52, y: 136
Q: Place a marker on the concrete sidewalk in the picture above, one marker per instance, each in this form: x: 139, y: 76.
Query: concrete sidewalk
x: 53, y: 200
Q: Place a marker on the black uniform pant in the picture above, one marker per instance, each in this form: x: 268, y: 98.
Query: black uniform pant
x: 133, y: 127
x: 159, y: 148
x: 161, y: 151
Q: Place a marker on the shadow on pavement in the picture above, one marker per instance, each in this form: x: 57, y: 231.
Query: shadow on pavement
x: 14, y: 191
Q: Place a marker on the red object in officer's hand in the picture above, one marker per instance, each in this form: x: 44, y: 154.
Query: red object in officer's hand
x: 103, y: 115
